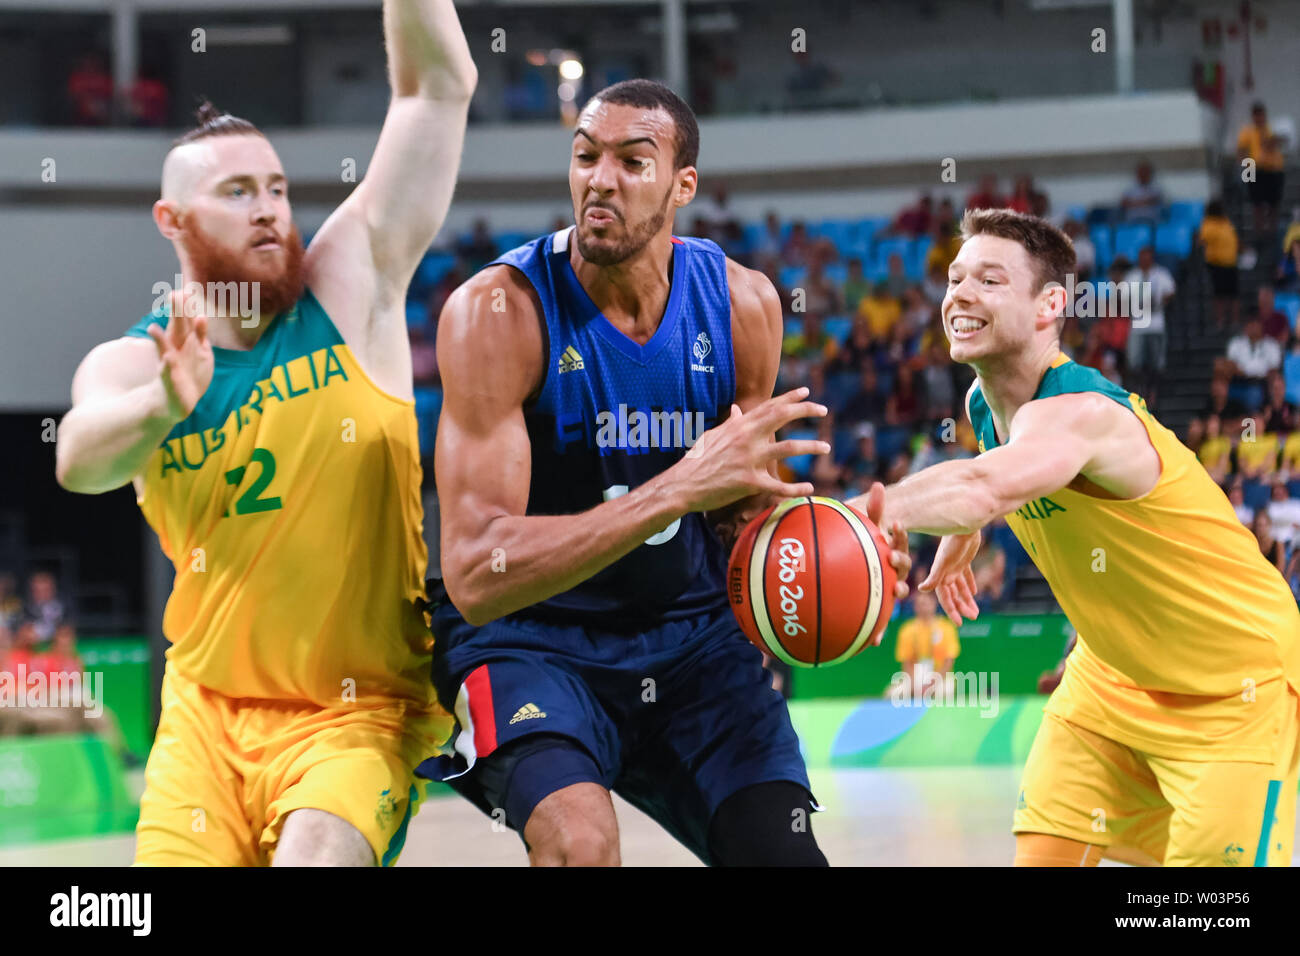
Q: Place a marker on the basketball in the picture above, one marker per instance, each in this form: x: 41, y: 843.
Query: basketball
x: 810, y: 581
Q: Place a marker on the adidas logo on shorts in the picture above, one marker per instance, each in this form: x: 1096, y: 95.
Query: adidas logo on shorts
x: 527, y: 712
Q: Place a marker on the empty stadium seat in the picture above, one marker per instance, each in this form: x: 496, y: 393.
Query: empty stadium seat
x: 791, y: 276
x: 417, y: 313
x: 1187, y: 211
x: 428, y: 403
x: 1175, y: 239
x: 838, y: 327
x: 1130, y: 238
x: 1104, y: 243
x: 1288, y: 303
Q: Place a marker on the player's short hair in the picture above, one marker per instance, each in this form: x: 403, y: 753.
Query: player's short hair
x: 212, y: 122
x: 651, y: 94
x: 1050, y: 250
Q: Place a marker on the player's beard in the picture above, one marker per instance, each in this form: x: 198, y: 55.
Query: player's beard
x: 634, y: 239
x: 277, y: 289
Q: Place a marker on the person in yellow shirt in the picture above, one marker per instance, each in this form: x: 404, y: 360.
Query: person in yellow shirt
x: 1174, y: 735
x: 926, y: 638
x: 1259, y: 143
x: 881, y: 311
x: 1218, y: 238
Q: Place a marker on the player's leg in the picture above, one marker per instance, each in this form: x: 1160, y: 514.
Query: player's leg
x: 537, y: 753
x: 1234, y: 813
x: 191, y: 812
x: 714, y: 759
x: 338, y: 787
x: 318, y: 838
x: 1082, y: 796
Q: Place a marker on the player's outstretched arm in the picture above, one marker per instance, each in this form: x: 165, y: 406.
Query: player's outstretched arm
x: 127, y: 395
x: 497, y: 560
x: 362, y: 259
x: 1052, y: 441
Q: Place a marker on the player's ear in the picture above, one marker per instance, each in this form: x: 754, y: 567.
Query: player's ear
x: 688, y: 179
x: 1052, y: 302
x: 167, y: 216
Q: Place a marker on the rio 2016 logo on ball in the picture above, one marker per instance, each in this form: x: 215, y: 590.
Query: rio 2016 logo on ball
x: 810, y: 581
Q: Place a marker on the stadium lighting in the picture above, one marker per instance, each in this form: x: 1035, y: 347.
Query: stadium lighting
x: 571, y: 69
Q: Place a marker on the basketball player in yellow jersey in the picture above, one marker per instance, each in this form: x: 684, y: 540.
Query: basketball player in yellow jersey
x: 1173, y: 734
x: 276, y: 457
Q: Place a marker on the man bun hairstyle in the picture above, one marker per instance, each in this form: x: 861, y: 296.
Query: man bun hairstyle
x: 212, y: 122
x: 1050, y: 250
x: 651, y: 94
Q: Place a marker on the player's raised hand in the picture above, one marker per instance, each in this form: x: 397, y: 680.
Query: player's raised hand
x: 185, y: 357
x: 951, y: 578
x: 731, y: 460
x: 899, y: 555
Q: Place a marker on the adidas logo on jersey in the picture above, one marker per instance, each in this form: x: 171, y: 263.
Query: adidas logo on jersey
x: 570, y: 361
x: 528, y: 711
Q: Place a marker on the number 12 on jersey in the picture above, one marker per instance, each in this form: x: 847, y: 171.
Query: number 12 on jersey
x: 251, y: 501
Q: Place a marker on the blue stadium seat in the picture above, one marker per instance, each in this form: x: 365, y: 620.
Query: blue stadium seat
x: 1288, y: 303
x: 801, y: 465
x: 793, y: 327
x: 887, y: 247
x: 840, y: 387
x: 843, y: 444
x: 1187, y: 211
x: 1291, y: 372
x: 914, y: 261
x: 509, y: 240
x: 791, y: 276
x: 872, y: 226
x: 1175, y: 239
x: 433, y: 267
x: 1077, y: 213
x: 1255, y: 494
x: 1099, y: 216
x: 838, y: 328
x: 838, y: 231
x: 1293, y: 488
x: 1130, y: 238
x: 1104, y: 243
x: 837, y: 272
x: 890, y: 441
x: 754, y: 233
x: 428, y: 403
x: 417, y: 313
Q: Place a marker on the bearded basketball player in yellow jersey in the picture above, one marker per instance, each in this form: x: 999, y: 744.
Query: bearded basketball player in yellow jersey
x: 1172, y: 737
x: 276, y: 457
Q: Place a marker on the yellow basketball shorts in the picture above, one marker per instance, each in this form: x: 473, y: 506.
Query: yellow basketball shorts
x: 224, y: 773
x: 1142, y: 808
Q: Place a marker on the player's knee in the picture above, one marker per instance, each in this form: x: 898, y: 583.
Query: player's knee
x: 588, y: 846
x: 319, y: 838
x: 1046, y: 849
x: 767, y: 824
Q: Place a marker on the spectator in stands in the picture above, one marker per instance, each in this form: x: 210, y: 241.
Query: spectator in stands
x: 944, y: 245
x: 990, y: 570
x: 1194, y: 435
x: 1143, y: 201
x: 1114, y: 321
x: 715, y: 211
x: 917, y: 312
x: 43, y: 606
x: 11, y: 603
x: 1288, y: 270
x: 1283, y: 513
x: 90, y: 92
x: 1272, y: 320
x: 1146, y: 340
x: 1258, y: 142
x: 935, y: 284
x: 1269, y: 544
x: 1235, y: 489
x: 856, y: 285
x: 986, y: 196
x: 1026, y: 199
x: 915, y: 221
x: 896, y: 276
x: 881, y: 311
x: 939, y: 383
x: 866, y: 404
x: 22, y: 650
x: 862, y: 466
x: 62, y: 656
x: 1251, y: 357
x: 821, y: 296
x: 449, y: 283
x: 907, y: 399
x: 1085, y: 253
x: 424, y: 354
x: 1279, y: 415
x: 858, y: 351
x: 478, y: 248
x: 1216, y: 450
x: 795, y: 251
x: 1218, y: 239
x: 769, y: 240
x: 148, y: 100
x: 1221, y: 403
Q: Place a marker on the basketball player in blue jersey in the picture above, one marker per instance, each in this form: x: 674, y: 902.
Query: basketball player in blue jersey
x: 604, y: 387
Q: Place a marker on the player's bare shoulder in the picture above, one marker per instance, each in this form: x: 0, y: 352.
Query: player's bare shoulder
x: 756, y: 326
x: 492, y: 324
x: 115, y: 366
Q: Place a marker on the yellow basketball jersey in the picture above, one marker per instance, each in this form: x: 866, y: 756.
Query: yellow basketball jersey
x: 1187, y: 635
x: 289, y: 503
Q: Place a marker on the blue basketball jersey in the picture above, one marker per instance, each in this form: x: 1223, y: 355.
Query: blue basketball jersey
x: 612, y: 414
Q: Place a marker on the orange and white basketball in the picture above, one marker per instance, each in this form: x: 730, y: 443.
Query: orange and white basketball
x: 810, y: 581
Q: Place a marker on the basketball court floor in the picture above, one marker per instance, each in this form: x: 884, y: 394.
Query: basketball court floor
x: 873, y: 817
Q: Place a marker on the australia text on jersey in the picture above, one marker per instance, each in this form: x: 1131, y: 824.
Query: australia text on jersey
x: 287, y: 381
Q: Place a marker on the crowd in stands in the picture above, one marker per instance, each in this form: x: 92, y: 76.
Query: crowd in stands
x: 92, y: 99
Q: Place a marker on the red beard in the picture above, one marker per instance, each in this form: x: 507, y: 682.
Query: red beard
x: 277, y: 288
